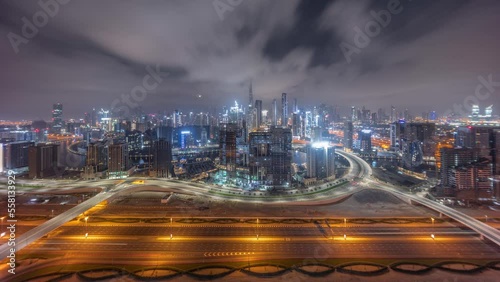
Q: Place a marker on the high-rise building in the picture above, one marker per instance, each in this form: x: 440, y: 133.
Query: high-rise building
x: 475, y: 111
x: 308, y: 124
x: 488, y: 111
x: 57, y: 118
x: 97, y: 157
x: 162, y: 158
x: 413, y: 155
x: 14, y: 155
x: 354, y: 114
x: 284, y: 110
x: 396, y: 134
x: 296, y: 124
x: 258, y: 113
x: 185, y: 139
x: 394, y: 116
x: 118, y: 161
x: 455, y: 157
x: 250, y: 114
x: 476, y: 137
x: 93, y: 117
x: 270, y: 157
x: 365, y: 141
x: 87, y: 119
x: 275, y: 113
x: 42, y: 160
x: 474, y: 177
x: 495, y: 152
x: 320, y: 161
x: 348, y: 133
x: 227, y: 146
x: 165, y: 132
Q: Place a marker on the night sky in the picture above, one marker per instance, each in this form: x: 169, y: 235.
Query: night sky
x: 428, y: 56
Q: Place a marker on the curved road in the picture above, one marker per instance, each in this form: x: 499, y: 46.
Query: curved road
x: 481, y: 228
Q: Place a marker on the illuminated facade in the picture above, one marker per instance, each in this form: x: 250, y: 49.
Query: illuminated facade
x: 320, y: 161
x: 57, y: 118
x: 118, y: 162
x: 227, y: 146
x: 14, y: 155
x: 270, y: 157
x: 365, y: 141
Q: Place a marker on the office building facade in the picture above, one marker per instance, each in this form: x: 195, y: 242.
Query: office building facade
x: 42, y: 160
x: 270, y: 157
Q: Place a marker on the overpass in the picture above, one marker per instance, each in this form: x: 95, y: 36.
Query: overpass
x: 482, y: 229
x: 359, y: 168
x: 39, y: 231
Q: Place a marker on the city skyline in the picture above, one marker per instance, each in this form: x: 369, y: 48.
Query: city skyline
x: 231, y: 140
x: 428, y: 56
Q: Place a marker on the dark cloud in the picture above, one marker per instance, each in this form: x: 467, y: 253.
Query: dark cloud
x: 92, y: 52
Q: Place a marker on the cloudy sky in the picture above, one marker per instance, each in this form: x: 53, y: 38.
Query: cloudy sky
x: 89, y: 53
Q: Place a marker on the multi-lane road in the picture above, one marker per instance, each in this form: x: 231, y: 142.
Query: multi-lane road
x: 485, y: 230
x: 203, y: 243
x: 273, y: 241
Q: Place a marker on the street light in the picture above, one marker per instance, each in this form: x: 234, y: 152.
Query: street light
x: 432, y: 235
x: 171, y: 229
x: 86, y: 229
x: 257, y: 229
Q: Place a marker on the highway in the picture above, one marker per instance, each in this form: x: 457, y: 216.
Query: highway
x: 481, y: 228
x: 216, y: 243
x: 320, y: 230
x: 359, y: 169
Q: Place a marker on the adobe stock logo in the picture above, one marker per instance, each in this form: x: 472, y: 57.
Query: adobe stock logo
x: 223, y: 6
x: 484, y: 89
x: 139, y: 93
x: 49, y: 8
x: 362, y: 38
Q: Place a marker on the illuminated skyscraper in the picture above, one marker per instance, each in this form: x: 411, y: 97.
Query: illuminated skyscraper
x: 320, y: 161
x: 284, y: 110
x: 296, y: 124
x: 365, y: 140
x: 258, y: 113
x: 275, y: 113
x: 57, y: 118
x: 227, y: 146
x: 118, y: 162
x: 354, y: 114
x: 270, y: 157
x: 488, y: 111
x: 250, y: 113
x: 348, y: 133
x: 475, y: 111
